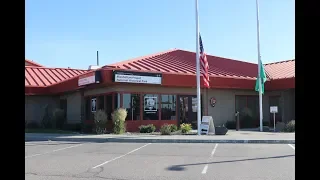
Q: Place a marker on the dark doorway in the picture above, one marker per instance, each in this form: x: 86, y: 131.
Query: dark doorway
x: 275, y: 101
x: 64, y: 106
x: 187, y: 106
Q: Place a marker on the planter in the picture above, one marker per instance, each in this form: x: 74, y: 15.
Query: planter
x: 221, y: 130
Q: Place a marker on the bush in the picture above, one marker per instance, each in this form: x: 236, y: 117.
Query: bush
x: 290, y: 126
x: 100, y: 120
x: 119, y: 117
x: 165, y: 129
x: 185, y: 128
x: 58, y: 118
x: 231, y: 124
x: 147, y: 128
x: 173, y: 127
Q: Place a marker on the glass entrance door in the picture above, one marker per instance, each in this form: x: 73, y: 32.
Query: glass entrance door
x: 187, y: 107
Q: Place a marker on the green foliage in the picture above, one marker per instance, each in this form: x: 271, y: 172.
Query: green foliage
x: 58, y: 118
x: 173, y: 127
x: 165, y: 129
x: 290, y: 126
x: 147, y: 128
x: 119, y: 117
x: 100, y: 120
x: 185, y: 128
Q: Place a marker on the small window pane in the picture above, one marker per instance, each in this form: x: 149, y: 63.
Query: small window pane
x: 100, y: 100
x: 150, y: 107
x: 108, y: 108
x: 131, y: 102
x: 116, y: 100
x: 168, y: 107
x: 87, y: 108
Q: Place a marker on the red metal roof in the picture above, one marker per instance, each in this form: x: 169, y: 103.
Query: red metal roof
x: 280, y: 70
x: 42, y: 76
x: 31, y: 63
x: 172, y: 64
x: 183, y: 62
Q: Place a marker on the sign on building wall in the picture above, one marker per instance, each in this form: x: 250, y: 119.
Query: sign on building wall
x: 90, y: 78
x: 273, y: 109
x: 137, y: 77
x: 93, y: 105
x: 150, y: 104
x: 213, y: 101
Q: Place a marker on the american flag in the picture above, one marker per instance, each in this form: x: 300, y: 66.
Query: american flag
x: 204, y: 65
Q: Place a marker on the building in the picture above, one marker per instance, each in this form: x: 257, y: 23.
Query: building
x: 160, y: 88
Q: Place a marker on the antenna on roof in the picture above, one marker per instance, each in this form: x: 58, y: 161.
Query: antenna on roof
x: 97, y: 58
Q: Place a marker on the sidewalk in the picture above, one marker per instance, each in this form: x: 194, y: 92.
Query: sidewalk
x: 231, y: 137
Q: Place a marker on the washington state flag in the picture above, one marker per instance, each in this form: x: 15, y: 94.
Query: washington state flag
x: 263, y: 79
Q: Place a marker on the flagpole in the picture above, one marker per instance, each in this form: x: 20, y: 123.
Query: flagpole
x: 259, y: 68
x: 198, y: 71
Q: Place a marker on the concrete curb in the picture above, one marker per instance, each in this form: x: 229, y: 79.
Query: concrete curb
x: 145, y: 140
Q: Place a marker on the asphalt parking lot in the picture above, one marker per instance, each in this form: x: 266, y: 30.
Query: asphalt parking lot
x: 144, y: 161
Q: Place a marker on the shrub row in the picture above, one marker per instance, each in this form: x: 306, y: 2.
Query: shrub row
x: 167, y: 129
x: 290, y: 126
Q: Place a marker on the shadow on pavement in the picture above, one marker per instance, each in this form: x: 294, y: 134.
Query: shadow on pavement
x: 182, y: 166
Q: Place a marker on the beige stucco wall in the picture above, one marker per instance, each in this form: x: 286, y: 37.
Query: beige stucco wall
x: 224, y: 109
x: 35, y: 107
x: 73, y: 107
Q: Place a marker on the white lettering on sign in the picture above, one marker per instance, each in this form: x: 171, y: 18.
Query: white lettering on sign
x: 86, y: 80
x: 137, y: 79
x: 273, y: 109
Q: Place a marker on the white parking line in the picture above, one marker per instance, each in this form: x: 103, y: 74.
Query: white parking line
x: 53, y: 151
x: 204, y: 171
x: 292, y: 146
x: 121, y: 156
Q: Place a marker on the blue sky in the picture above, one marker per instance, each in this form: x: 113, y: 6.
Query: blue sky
x: 67, y: 33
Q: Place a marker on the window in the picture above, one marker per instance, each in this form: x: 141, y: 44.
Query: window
x: 241, y: 103
x: 116, y: 100
x: 253, y: 105
x: 108, y: 103
x: 100, y: 102
x: 88, y: 108
x: 64, y: 106
x: 168, y: 107
x: 248, y: 106
x: 131, y: 102
x: 150, y: 107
